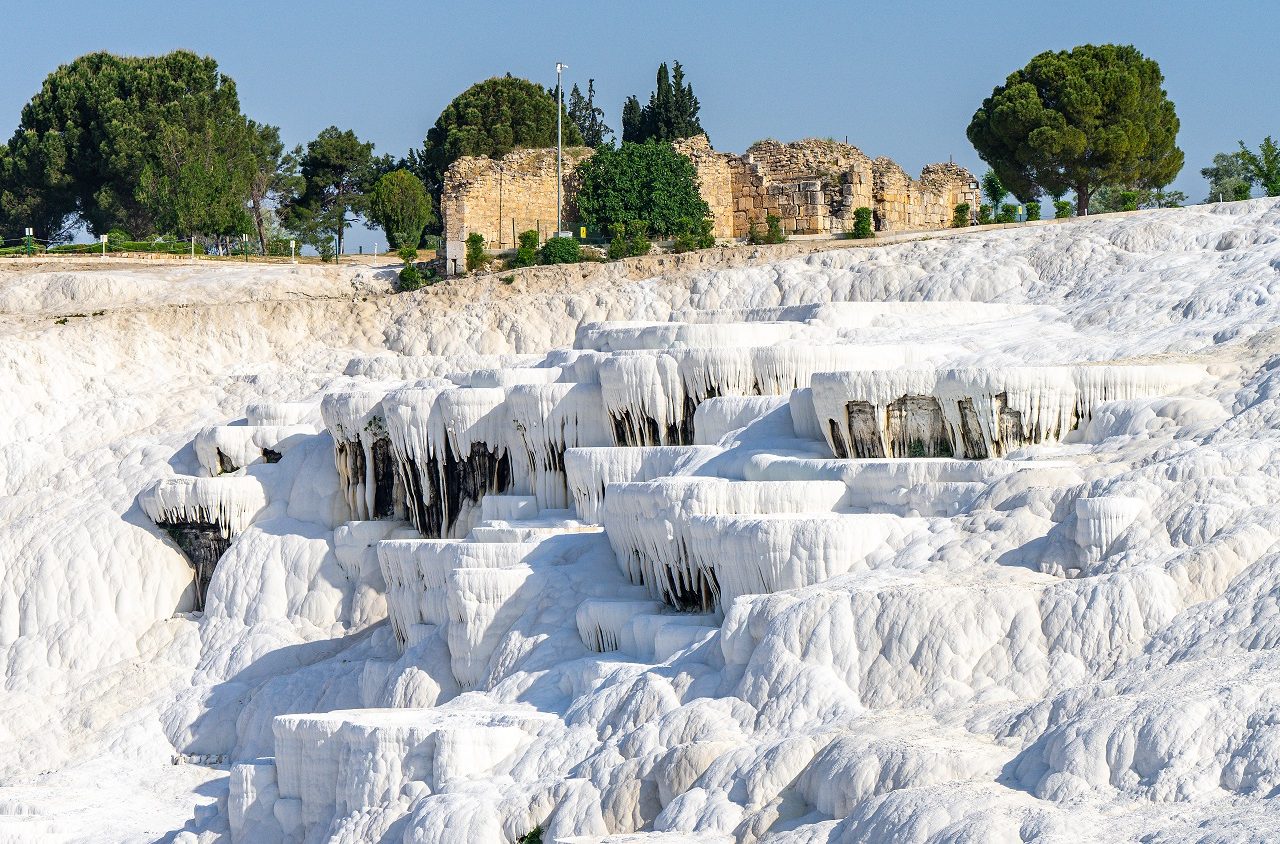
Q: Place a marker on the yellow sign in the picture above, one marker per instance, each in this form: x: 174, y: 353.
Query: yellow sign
x: 582, y: 232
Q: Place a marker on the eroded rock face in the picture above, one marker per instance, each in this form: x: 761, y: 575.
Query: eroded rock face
x: 203, y: 544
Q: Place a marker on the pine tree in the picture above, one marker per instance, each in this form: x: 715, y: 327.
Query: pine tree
x: 587, y: 116
x: 671, y: 113
x: 632, y: 121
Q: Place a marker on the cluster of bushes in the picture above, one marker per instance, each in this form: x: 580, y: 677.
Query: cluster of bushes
x: 696, y: 234
x: 629, y: 240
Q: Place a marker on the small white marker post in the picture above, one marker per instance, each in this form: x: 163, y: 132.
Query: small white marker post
x: 193, y: 247
x: 103, y: 238
x: 293, y: 258
x: 30, y: 233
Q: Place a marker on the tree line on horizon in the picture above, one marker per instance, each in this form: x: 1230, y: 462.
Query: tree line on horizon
x: 158, y: 146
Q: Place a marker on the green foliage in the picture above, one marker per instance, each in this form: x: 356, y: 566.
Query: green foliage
x: 400, y: 205
x: 755, y: 234
x: 1008, y: 213
x: 408, y: 254
x: 618, y: 248
x: 588, y: 117
x: 410, y: 278
x: 1061, y: 209
x: 337, y: 172
x: 1077, y: 120
x: 695, y: 234
x: 773, y: 229
x: 150, y: 143
x: 650, y: 182
x: 533, y: 836
x: 527, y: 252
x: 862, y: 223
x: 629, y: 240
x: 477, y: 257
x: 1229, y: 178
x: 672, y: 111
x: 984, y: 214
x: 491, y: 118
x: 560, y: 250
x: 1033, y: 211
x: 993, y: 188
x: 1263, y: 167
x: 960, y: 217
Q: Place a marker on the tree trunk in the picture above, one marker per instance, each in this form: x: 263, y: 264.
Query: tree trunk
x: 259, y: 224
x: 1082, y: 200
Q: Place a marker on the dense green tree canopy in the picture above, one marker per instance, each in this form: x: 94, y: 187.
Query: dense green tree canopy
x: 147, y: 144
x: 400, y: 205
x: 337, y: 171
x: 1228, y: 177
x: 650, y: 182
x: 491, y: 118
x: 1263, y: 167
x: 671, y: 113
x: 1077, y: 120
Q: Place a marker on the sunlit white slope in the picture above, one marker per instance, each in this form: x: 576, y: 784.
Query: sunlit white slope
x: 1071, y: 643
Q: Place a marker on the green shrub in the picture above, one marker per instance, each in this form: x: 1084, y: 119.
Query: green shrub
x: 695, y: 234
x: 533, y: 836
x: 527, y: 251
x: 1008, y: 213
x: 410, y: 278
x: 408, y: 254
x: 1241, y: 191
x: 773, y: 229
x: 638, y: 238
x: 476, y: 256
x: 862, y: 223
x: 1128, y: 200
x: 1033, y: 211
x: 650, y: 182
x: 984, y: 214
x: 618, y: 248
x: 1061, y: 209
x: 561, y: 250
x: 755, y: 234
x: 960, y: 218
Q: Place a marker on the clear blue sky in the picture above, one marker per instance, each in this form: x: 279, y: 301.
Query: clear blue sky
x: 898, y: 78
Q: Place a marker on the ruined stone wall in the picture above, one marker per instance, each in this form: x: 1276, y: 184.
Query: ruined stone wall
x: 814, y: 187
x: 500, y: 198
x: 715, y: 180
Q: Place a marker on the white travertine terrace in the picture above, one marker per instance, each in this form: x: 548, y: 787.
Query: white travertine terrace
x: 226, y: 448
x: 229, y: 504
x: 975, y: 413
x: 990, y: 558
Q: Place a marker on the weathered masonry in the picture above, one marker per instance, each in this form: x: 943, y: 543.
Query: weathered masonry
x: 813, y: 186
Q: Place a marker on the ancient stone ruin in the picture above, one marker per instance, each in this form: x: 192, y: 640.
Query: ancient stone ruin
x: 813, y: 186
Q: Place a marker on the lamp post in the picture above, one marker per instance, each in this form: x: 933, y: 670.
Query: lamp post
x: 560, y: 66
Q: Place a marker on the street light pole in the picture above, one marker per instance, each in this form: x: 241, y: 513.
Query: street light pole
x: 560, y: 66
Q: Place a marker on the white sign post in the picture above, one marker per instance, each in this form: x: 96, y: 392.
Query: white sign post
x: 103, y: 238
